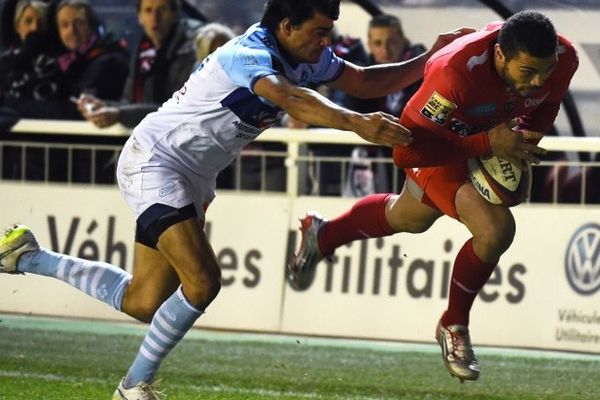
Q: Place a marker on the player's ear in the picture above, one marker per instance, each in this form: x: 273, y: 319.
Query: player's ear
x: 286, y: 26
x: 498, y: 54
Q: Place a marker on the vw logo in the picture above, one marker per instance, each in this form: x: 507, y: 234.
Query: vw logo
x: 582, y: 262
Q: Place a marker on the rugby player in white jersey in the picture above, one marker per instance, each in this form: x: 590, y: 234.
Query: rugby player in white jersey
x: 168, y: 168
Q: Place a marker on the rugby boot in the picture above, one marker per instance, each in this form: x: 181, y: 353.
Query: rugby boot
x: 302, y: 267
x: 141, y: 391
x: 16, y: 240
x: 457, y: 351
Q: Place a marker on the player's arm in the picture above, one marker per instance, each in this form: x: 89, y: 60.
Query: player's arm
x: 429, y: 116
x: 309, y: 106
x: 382, y: 79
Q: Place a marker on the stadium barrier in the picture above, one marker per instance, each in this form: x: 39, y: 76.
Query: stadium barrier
x: 544, y: 293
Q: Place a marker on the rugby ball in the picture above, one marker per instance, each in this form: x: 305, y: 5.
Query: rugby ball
x: 499, y: 181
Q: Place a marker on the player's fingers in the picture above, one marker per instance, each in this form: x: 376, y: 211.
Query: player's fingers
x: 463, y: 31
x: 389, y: 117
x: 527, y: 157
x: 392, y: 137
x: 532, y: 135
x: 533, y: 149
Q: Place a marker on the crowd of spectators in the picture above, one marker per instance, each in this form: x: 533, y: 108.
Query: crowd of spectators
x: 60, y: 62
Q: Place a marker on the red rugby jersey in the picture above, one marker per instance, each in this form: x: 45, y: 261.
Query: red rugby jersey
x: 462, y: 96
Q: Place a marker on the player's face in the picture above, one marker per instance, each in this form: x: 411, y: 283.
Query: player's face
x: 157, y: 18
x: 386, y: 44
x: 524, y: 73
x: 306, y: 42
x: 29, y: 21
x: 73, y: 27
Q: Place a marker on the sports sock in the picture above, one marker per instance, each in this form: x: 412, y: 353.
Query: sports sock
x: 366, y: 219
x: 469, y: 275
x: 170, y: 323
x: 100, y: 280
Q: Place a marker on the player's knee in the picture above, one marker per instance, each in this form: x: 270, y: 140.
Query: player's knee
x: 497, y: 235
x: 144, y: 311
x: 411, y: 226
x: 203, y: 287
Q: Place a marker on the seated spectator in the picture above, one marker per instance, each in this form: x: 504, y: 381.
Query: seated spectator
x: 209, y: 38
x: 94, y: 62
x: 387, y: 43
x: 163, y: 61
x: 31, y: 84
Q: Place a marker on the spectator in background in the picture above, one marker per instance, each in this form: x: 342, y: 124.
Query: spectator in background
x: 209, y: 38
x: 94, y: 61
x: 31, y: 84
x: 387, y: 43
x: 30, y: 81
x: 164, y: 58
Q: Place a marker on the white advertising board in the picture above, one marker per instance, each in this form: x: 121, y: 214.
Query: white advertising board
x: 396, y: 288
x: 544, y: 294
x: 248, y: 234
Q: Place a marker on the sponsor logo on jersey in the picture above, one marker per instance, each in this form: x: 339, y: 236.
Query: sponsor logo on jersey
x: 251, y: 110
x: 582, y: 261
x: 481, y: 110
x: 438, y: 109
x: 462, y: 128
x: 535, y: 101
x: 250, y: 130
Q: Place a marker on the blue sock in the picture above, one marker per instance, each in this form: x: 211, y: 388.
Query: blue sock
x: 170, y: 323
x: 100, y: 280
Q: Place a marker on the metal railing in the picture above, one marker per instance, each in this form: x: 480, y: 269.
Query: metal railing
x: 282, y: 160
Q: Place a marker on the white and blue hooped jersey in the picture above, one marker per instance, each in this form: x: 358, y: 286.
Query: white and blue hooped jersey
x: 205, y: 125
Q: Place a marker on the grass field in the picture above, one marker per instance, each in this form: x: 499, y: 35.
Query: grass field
x: 45, y: 359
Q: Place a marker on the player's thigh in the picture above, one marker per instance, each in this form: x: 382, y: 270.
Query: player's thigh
x: 154, y: 280
x: 407, y: 213
x: 492, y: 226
x: 185, y: 246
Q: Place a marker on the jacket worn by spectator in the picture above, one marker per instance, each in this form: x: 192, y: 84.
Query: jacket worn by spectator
x: 99, y: 68
x: 393, y: 103
x: 156, y: 75
x: 31, y: 82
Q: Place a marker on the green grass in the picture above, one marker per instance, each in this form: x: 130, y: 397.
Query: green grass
x: 67, y: 360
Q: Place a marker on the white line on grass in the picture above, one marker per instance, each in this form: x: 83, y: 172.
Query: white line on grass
x: 197, y: 388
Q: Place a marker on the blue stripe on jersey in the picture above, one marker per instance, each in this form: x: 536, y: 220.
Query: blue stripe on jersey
x: 250, y: 109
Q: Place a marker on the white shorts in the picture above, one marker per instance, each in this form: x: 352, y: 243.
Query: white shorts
x: 145, y: 179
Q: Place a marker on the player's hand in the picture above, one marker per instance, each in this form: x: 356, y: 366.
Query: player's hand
x: 384, y: 129
x: 514, y: 146
x: 104, y: 117
x: 444, y: 39
x: 87, y: 103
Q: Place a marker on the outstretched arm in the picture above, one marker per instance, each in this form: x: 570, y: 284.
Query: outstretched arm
x: 309, y: 106
x: 383, y: 79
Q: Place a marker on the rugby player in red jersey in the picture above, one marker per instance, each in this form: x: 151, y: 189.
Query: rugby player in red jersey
x: 473, y: 91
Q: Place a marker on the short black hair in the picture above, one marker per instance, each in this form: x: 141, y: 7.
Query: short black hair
x: 530, y: 32
x: 297, y: 11
x: 174, y: 4
x: 386, y: 21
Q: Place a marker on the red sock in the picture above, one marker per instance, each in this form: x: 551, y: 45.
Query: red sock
x: 366, y: 219
x: 468, y: 277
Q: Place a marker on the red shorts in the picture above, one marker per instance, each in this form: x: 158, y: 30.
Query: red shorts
x: 439, y: 185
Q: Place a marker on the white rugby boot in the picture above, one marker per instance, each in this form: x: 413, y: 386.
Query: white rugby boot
x: 16, y: 240
x: 457, y: 351
x: 141, y: 391
x: 302, y: 267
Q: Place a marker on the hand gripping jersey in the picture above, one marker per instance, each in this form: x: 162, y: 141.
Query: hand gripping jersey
x: 462, y: 96
x: 205, y: 125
